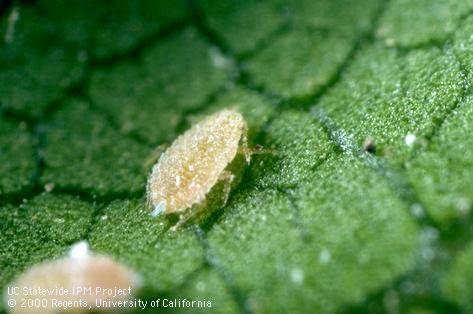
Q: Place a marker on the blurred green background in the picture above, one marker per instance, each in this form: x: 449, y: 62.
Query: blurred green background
x: 88, y: 89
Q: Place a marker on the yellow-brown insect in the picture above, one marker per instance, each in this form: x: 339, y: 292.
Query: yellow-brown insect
x: 194, y: 163
x: 80, y: 269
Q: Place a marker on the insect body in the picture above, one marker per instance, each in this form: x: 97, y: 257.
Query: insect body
x: 194, y: 163
x: 80, y: 279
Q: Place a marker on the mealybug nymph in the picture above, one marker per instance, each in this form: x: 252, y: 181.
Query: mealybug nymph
x: 195, y: 162
x: 73, y: 281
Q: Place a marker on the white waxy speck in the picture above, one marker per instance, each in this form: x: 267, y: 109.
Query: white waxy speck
x: 390, y: 42
x: 178, y: 180
x: 417, y: 210
x: 428, y: 238
x: 200, y: 286
x: 463, y: 205
x: 12, y: 20
x: 410, y: 139
x: 49, y: 187
x: 218, y: 59
x: 79, y: 251
x: 158, y: 209
x: 297, y: 276
x: 324, y: 256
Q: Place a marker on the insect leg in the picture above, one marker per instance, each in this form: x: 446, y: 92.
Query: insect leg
x: 228, y: 177
x: 257, y: 150
x: 225, y: 176
x: 154, y: 155
x: 184, y: 217
x: 182, y: 220
x: 244, y: 144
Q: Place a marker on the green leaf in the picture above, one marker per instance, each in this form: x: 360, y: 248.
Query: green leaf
x: 299, y: 62
x: 91, y: 156
x: 359, y: 202
x: 17, y: 163
x: 320, y: 225
x: 104, y: 29
x: 403, y: 25
x: 165, y: 259
x: 40, y: 228
x: 171, y: 77
x: 36, y: 64
x: 456, y: 283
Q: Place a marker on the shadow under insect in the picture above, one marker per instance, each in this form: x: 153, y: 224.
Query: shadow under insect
x: 216, y: 199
